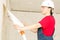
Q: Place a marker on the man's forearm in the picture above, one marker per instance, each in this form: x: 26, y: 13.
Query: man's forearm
x: 34, y: 30
x: 35, y: 26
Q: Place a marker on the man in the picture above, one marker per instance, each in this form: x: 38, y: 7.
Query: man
x: 45, y: 27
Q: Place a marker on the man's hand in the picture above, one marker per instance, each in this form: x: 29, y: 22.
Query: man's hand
x: 18, y: 28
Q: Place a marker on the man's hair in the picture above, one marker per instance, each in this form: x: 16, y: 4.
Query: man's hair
x: 51, y: 11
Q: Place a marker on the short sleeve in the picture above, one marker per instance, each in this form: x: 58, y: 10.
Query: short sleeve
x: 44, y: 22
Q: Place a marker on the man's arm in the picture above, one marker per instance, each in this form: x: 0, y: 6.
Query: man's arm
x: 34, y: 30
x: 34, y: 27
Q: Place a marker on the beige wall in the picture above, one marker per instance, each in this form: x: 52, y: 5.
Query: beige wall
x: 31, y: 5
x: 1, y: 18
x: 30, y: 18
x: 9, y: 33
x: 57, y: 32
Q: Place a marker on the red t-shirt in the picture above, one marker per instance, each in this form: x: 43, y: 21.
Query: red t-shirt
x: 48, y: 25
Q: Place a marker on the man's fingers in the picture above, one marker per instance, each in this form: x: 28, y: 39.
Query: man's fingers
x: 16, y: 27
